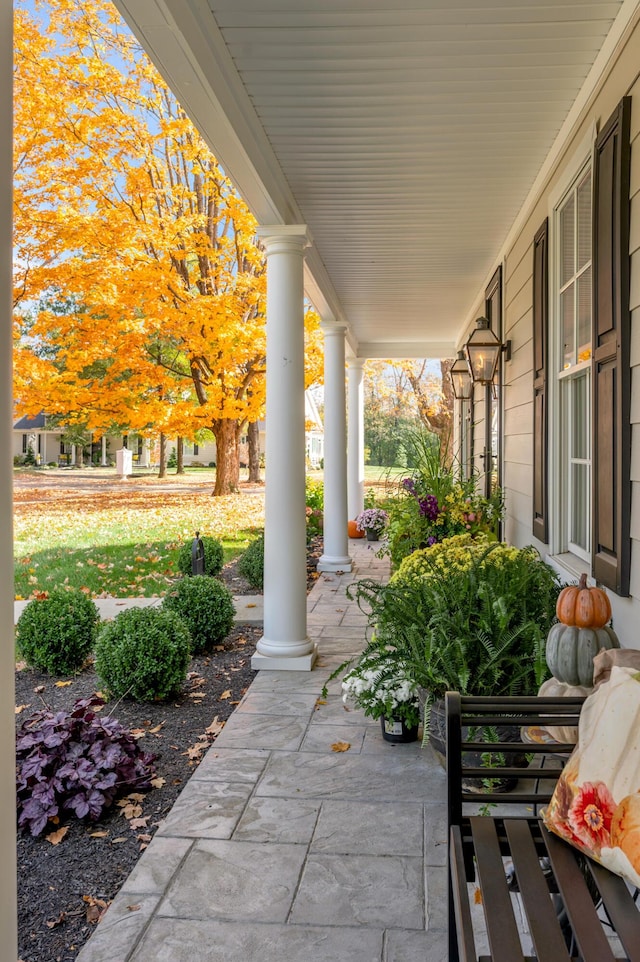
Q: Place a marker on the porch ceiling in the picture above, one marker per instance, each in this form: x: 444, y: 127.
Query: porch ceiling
x: 406, y: 134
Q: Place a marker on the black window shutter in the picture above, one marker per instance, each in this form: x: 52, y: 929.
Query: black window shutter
x: 611, y: 374
x: 540, y: 375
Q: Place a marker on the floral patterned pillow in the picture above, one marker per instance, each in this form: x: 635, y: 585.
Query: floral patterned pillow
x: 596, y: 804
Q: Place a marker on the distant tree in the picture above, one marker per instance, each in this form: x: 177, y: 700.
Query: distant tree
x: 121, y: 209
x: 400, y: 396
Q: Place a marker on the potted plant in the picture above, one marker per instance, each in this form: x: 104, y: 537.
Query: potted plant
x: 381, y: 686
x: 372, y: 521
x: 466, y: 615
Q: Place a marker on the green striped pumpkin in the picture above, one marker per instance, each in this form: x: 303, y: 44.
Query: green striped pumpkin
x: 570, y: 651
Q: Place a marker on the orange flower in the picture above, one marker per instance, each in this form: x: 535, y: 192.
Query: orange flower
x: 625, y: 829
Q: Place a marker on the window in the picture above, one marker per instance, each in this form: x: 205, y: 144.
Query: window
x: 582, y: 501
x: 573, y: 315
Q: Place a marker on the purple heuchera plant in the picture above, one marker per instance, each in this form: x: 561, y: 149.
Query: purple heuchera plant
x: 75, y: 761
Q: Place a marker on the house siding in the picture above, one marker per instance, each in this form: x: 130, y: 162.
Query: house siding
x: 622, y: 80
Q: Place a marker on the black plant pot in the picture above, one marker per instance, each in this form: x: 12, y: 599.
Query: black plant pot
x: 396, y: 731
x: 437, y: 737
x: 372, y: 535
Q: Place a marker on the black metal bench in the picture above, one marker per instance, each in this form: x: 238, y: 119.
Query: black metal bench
x: 507, y: 860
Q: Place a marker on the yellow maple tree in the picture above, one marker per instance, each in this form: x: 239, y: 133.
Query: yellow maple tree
x: 139, y: 287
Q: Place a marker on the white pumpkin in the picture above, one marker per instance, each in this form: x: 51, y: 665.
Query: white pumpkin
x: 552, y: 688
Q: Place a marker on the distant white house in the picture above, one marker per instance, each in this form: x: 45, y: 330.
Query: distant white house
x: 48, y: 447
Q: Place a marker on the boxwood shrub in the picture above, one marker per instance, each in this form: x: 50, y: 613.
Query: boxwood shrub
x: 143, y: 654
x: 206, y: 607
x: 56, y: 634
x: 213, y: 556
x: 251, y: 563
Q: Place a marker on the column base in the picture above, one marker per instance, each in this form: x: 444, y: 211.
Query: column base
x: 283, y: 663
x: 332, y: 563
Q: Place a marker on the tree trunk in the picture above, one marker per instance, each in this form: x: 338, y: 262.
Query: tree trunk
x: 253, y: 437
x: 162, y: 466
x: 180, y: 456
x: 227, y: 456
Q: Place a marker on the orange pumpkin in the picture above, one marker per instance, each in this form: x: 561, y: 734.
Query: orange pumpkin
x: 582, y: 606
x: 353, y: 531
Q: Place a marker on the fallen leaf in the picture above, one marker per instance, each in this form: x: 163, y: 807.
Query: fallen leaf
x: 153, y: 731
x: 56, y: 837
x: 20, y: 708
x: 341, y: 746
x: 61, y: 918
x: 320, y: 701
x: 39, y: 689
x: 98, y: 834
x: 115, y: 841
x: 215, y: 727
x: 225, y: 694
x: 136, y: 823
x: 133, y: 908
x: 131, y: 810
x: 95, y: 908
x: 62, y: 684
x: 157, y: 782
x: 194, y: 751
x: 144, y: 838
x: 251, y: 606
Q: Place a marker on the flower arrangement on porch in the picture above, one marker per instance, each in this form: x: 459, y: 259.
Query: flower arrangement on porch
x: 380, y: 685
x: 372, y: 520
x: 435, y: 503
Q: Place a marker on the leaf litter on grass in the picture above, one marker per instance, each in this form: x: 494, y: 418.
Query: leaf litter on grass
x: 121, y: 543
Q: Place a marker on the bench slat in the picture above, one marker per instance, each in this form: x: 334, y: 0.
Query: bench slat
x: 458, y: 882
x: 534, y: 891
x: 620, y: 907
x: 502, y: 930
x: 587, y: 927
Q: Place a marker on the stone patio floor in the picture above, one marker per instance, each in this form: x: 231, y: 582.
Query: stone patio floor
x: 280, y: 849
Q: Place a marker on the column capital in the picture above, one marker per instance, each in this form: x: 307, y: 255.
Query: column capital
x: 284, y: 238
x: 356, y: 363
x: 333, y: 328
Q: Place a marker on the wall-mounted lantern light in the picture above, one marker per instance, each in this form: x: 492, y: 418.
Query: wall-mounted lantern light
x: 483, y: 351
x: 461, y: 378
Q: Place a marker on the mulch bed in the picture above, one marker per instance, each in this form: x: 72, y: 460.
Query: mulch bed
x: 64, y: 888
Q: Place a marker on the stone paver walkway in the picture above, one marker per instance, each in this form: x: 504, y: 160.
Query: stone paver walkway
x: 282, y: 850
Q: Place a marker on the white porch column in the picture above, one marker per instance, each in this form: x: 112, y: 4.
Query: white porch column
x: 336, y: 543
x: 8, y: 898
x: 355, y: 438
x: 285, y: 644
x: 103, y: 460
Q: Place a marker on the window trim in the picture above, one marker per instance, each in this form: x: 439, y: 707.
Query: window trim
x: 581, y: 158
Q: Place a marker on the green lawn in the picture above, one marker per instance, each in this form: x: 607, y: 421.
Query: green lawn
x: 119, y: 543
